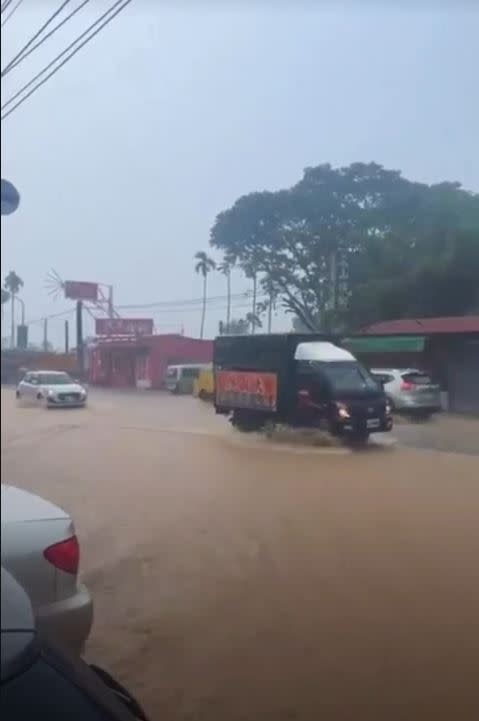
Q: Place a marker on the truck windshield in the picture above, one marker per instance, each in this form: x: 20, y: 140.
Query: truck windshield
x: 347, y: 376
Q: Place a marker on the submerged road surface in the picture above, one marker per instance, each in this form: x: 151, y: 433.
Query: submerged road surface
x: 237, y: 580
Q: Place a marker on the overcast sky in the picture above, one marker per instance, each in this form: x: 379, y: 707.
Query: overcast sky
x: 124, y: 158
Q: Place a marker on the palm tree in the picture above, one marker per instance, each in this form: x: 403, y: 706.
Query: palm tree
x: 204, y: 264
x: 254, y: 321
x: 12, y: 285
x: 225, y: 269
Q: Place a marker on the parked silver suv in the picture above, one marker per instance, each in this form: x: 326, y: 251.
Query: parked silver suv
x: 410, y: 391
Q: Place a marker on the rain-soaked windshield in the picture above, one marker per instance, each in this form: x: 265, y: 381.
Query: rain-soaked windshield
x: 348, y: 376
x: 55, y: 379
x: 208, y: 181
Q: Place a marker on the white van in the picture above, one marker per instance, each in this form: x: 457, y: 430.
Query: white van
x: 181, y: 378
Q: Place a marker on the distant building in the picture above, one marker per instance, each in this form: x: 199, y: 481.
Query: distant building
x: 141, y: 362
x: 447, y: 348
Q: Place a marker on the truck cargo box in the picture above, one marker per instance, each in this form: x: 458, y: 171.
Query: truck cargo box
x: 252, y: 371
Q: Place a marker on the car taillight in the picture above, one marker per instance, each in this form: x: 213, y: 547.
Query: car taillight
x: 406, y: 386
x: 64, y: 555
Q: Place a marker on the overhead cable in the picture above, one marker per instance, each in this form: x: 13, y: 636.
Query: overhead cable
x: 13, y: 63
x: 58, y: 67
x: 36, y: 35
x: 12, y: 11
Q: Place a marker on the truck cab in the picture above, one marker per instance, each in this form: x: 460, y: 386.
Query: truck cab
x: 334, y: 391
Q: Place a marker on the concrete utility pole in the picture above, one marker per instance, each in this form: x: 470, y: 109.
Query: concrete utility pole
x: 67, y: 338
x: 22, y: 303
x: 45, y: 335
x: 79, y: 319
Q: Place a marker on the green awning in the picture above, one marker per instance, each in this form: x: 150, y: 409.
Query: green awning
x: 386, y: 344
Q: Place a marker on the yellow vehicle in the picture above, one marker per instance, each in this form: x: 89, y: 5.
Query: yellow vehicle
x: 204, y: 386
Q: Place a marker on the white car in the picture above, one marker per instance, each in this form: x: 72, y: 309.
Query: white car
x: 40, y: 550
x: 53, y: 389
x: 409, y: 390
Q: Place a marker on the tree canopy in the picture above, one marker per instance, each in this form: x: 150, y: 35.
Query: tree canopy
x: 346, y: 247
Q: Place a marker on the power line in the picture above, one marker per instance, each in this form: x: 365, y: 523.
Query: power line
x: 74, y: 52
x: 50, y: 317
x: 13, y: 63
x: 12, y: 11
x: 5, y: 5
x: 37, y: 34
x: 188, y: 302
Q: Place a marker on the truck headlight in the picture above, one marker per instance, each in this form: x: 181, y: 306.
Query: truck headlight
x: 343, y: 410
x: 389, y: 408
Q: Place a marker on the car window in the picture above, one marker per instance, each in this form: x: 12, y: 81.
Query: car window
x: 172, y: 373
x: 417, y: 379
x: 190, y: 372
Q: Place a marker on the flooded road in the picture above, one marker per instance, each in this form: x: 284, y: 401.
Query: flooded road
x: 236, y: 580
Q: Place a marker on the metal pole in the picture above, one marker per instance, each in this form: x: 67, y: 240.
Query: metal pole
x: 45, y: 335
x: 22, y: 303
x: 12, y: 338
x: 111, y: 311
x: 79, y: 318
x: 67, y: 338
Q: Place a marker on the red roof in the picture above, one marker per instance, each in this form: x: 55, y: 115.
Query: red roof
x: 425, y: 326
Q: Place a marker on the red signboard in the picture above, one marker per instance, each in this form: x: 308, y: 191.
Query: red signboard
x: 123, y: 326
x: 79, y: 290
x: 238, y: 389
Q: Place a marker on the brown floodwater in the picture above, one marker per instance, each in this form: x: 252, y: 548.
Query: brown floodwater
x: 239, y: 580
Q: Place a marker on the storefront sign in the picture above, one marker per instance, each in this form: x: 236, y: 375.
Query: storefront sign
x: 238, y: 389
x: 123, y: 326
x: 81, y: 290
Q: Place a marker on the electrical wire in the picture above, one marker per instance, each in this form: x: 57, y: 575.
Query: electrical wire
x: 13, y: 63
x: 50, y: 317
x: 58, y: 67
x: 37, y: 34
x: 183, y: 303
x: 5, y: 5
x: 12, y: 11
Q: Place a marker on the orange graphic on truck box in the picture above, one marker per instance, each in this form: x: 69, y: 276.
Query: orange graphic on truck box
x: 245, y: 389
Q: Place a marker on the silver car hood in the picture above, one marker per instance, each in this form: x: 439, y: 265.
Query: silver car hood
x: 65, y: 388
x: 19, y: 506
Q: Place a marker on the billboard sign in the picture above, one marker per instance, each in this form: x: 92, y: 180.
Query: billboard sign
x: 10, y: 198
x: 123, y: 326
x: 80, y: 290
x: 238, y: 389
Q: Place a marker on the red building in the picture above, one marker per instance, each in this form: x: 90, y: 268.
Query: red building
x: 141, y: 362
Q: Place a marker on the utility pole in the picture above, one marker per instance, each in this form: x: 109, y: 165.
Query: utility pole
x: 67, y: 338
x: 79, y: 319
x: 45, y: 335
x: 111, y: 310
x: 12, y: 338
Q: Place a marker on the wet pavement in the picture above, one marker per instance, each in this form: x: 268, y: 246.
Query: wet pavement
x: 237, y: 579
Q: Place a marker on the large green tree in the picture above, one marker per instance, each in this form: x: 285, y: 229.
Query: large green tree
x: 347, y: 246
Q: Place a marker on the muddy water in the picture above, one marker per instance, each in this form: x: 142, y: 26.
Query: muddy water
x: 236, y: 580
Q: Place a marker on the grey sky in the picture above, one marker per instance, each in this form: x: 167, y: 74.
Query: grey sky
x: 124, y: 158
